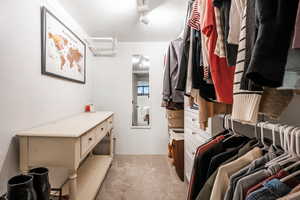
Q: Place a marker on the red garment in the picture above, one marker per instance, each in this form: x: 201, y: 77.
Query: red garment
x: 222, y: 74
x: 200, y: 150
x: 279, y: 175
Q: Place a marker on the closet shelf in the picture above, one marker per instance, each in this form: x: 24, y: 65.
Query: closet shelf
x: 90, y: 176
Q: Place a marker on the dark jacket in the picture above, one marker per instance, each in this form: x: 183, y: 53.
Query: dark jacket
x: 251, y: 34
x: 275, y: 23
x: 206, y: 90
x: 182, y: 72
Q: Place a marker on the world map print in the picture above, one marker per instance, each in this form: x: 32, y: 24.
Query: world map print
x: 64, y: 51
x: 68, y: 55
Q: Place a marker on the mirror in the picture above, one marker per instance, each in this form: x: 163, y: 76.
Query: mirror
x: 140, y: 92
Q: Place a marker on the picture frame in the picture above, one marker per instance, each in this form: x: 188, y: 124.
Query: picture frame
x: 63, y: 52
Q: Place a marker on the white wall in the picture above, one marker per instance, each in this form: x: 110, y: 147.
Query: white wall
x: 113, y: 90
x: 28, y: 98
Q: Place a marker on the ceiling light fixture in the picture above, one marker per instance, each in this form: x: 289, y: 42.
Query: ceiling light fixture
x: 144, y: 19
x: 143, y: 9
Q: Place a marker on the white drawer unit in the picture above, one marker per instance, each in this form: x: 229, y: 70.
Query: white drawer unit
x: 191, y: 148
x: 194, y: 136
x: 188, y: 165
x: 193, y: 139
x: 68, y: 143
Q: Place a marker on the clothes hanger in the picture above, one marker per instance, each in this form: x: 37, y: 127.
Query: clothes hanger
x: 224, y: 123
x: 273, y: 135
x: 297, y: 143
x: 296, y: 173
x: 265, y: 146
x: 296, y: 152
x: 293, y: 141
x: 288, y: 154
x: 262, y: 126
x: 227, y: 130
x: 282, y: 143
x: 291, y: 150
x: 255, y: 130
x: 290, y: 176
x: 232, y: 133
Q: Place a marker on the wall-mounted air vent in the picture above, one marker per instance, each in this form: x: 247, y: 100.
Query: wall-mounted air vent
x: 101, y: 46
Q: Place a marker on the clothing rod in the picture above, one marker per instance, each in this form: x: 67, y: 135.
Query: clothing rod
x: 266, y: 125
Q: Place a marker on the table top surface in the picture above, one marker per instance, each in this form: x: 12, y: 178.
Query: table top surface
x: 74, y: 126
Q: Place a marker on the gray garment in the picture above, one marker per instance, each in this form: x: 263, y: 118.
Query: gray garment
x: 255, y: 165
x: 173, y: 59
x: 292, y: 72
x: 252, y: 179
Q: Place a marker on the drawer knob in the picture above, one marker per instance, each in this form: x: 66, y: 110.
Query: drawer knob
x: 90, y: 139
x: 102, y: 129
x: 194, y: 153
x: 194, y: 133
x: 193, y: 119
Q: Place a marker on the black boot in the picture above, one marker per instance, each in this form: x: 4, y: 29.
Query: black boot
x: 41, y: 182
x: 21, y: 188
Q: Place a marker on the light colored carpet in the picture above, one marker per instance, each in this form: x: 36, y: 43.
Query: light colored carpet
x: 146, y: 177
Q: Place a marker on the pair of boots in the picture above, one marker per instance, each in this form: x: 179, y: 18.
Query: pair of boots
x: 34, y: 186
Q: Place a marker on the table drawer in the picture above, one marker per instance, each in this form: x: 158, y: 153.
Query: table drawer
x: 87, y: 141
x: 101, y: 131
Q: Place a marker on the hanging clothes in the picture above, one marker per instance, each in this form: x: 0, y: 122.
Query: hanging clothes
x: 208, y: 160
x: 208, y: 109
x: 225, y: 171
x: 273, y: 189
x: 206, y: 191
x: 234, y: 167
x: 276, y: 21
x: 197, y: 178
x: 188, y: 86
x: 170, y: 94
x: 196, y: 23
x: 206, y: 90
x: 230, y: 49
x: 256, y: 165
x: 291, y: 80
x: 235, y: 16
x: 293, y: 195
x: 244, y: 95
x: 222, y: 74
x: 182, y: 72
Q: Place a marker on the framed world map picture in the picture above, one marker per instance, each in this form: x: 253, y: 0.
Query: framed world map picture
x: 63, y: 52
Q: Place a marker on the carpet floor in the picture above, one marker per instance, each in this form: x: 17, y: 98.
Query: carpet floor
x: 145, y: 177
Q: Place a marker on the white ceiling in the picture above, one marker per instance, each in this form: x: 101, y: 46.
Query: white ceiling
x: 119, y: 18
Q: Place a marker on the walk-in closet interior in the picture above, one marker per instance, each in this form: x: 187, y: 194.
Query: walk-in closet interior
x: 150, y: 100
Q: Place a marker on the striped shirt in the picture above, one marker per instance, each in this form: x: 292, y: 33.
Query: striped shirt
x: 245, y: 102
x: 196, y: 23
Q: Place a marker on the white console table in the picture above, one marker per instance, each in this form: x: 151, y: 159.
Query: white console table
x: 69, y: 143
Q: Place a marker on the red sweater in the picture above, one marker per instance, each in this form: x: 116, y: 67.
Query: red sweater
x: 222, y: 74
